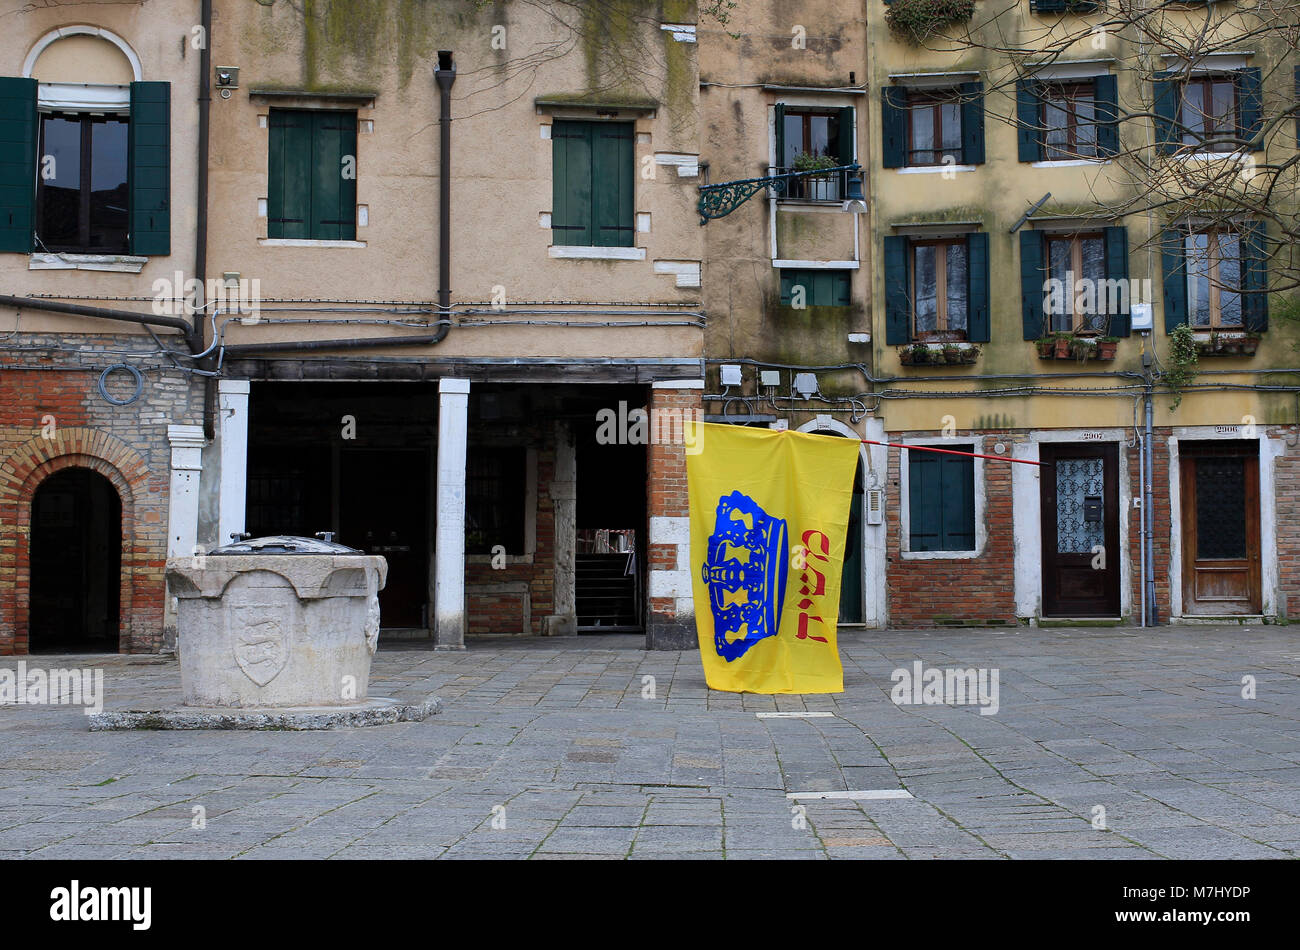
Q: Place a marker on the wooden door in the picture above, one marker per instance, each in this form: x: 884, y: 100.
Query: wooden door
x: 1220, y: 527
x: 1079, y: 495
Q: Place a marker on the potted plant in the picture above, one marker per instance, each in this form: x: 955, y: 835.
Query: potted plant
x: 1249, y: 344
x: 1062, y: 347
x: 1182, y: 363
x: 814, y: 187
x: 1107, y: 346
x: 952, y: 354
x: 1082, y: 347
x: 1045, y: 345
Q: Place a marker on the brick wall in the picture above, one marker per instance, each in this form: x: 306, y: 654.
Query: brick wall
x: 126, y: 444
x: 1286, y: 483
x: 670, y: 624
x: 931, y: 591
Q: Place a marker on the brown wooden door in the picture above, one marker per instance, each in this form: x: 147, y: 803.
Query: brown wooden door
x: 1220, y: 523
x: 1079, y: 494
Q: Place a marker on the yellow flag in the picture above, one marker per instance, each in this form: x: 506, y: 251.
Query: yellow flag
x: 769, y: 511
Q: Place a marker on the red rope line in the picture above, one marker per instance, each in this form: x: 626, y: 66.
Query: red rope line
x: 975, y: 455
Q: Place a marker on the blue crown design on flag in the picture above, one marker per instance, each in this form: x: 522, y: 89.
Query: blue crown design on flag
x: 745, y: 570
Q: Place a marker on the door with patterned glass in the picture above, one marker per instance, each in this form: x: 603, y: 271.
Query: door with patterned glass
x: 1219, y: 482
x: 1079, y: 494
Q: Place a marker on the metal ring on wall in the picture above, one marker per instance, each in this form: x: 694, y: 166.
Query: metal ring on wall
x: 139, y: 384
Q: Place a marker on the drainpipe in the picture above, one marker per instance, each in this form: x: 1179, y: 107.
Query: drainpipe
x: 445, y: 75
x: 1148, y: 500
x: 201, y: 227
x: 103, y: 313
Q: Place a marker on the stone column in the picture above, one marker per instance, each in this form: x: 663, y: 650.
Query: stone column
x: 187, y: 444
x: 232, y: 433
x: 449, y: 545
x: 564, y: 496
x: 670, y: 617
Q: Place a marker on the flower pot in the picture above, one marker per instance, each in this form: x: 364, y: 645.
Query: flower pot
x: 1045, y: 348
x: 1061, y: 348
x: 1249, y: 346
x: 1106, y: 351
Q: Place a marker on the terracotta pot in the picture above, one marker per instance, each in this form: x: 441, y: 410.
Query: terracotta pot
x: 1061, y: 349
x: 1045, y: 348
x: 1106, y: 351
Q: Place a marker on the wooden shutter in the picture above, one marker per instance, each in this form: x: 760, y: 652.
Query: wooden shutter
x: 893, y: 126
x: 1254, y: 261
x: 1033, y: 278
x: 924, y: 501
x: 972, y: 123
x: 1172, y: 257
x: 149, y: 168
x: 977, y: 294
x: 1029, y: 133
x: 571, y: 201
x: 1117, y: 269
x: 1106, y: 97
x: 333, y: 197
x: 18, y: 132
x: 1250, y: 109
x: 612, y: 184
x: 957, y: 502
x: 1166, y: 97
x: 288, y: 201
x: 1049, y: 6
x: 898, y: 303
x: 848, y: 136
x: 779, y: 117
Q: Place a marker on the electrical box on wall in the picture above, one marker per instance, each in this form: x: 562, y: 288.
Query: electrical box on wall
x: 1141, y: 317
x: 875, y: 505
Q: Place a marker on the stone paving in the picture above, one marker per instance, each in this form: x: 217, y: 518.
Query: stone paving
x: 566, y: 748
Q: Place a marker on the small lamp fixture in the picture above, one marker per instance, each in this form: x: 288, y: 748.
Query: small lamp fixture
x: 854, y: 200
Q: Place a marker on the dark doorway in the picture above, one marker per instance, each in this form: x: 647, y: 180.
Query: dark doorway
x: 1079, y: 490
x: 1219, y: 481
x: 76, y: 558
x: 851, y: 578
x: 382, y: 510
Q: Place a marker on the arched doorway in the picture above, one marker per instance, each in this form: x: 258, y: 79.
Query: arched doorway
x: 852, y: 578
x: 76, y: 554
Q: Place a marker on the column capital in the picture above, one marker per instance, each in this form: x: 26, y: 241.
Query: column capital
x: 678, y: 384
x: 233, y: 387
x: 450, y: 384
x: 186, y: 437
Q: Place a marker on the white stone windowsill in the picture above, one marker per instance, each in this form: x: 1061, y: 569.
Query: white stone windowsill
x: 1238, y: 156
x: 121, y: 263
x: 578, y: 252
x: 295, y: 242
x: 934, y: 169
x: 938, y: 555
x: 1070, y: 162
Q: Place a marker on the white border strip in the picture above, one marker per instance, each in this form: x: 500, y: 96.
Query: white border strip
x: 795, y: 715
x: 868, y: 794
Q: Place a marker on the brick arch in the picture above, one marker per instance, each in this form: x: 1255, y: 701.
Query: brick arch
x: 140, y: 615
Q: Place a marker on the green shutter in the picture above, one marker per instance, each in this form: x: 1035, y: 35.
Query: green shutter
x: 779, y: 113
x: 18, y: 133
x: 613, y: 216
x: 1106, y: 97
x: 289, y: 176
x: 1049, y: 6
x: 924, y: 501
x: 957, y: 504
x: 972, y: 123
x: 149, y: 168
x: 893, y: 127
x: 1033, y: 277
x: 977, y: 297
x: 1029, y: 138
x: 1117, y: 269
x: 843, y: 289
x: 898, y: 304
x: 1254, y: 254
x: 1171, y: 254
x: 333, y: 197
x: 1166, y: 93
x: 848, y: 136
x: 571, y: 201
x: 1250, y: 109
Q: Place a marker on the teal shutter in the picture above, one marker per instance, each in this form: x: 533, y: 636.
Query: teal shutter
x: 779, y: 113
x: 924, y: 501
x: 898, y: 304
x: 1166, y: 98
x: 977, y: 299
x: 1049, y: 6
x: 1117, y: 269
x: 289, y: 177
x: 612, y: 184
x: 1171, y: 254
x: 571, y: 201
x: 972, y: 123
x: 333, y: 197
x: 1254, y: 253
x: 893, y: 127
x: 1029, y: 138
x: 1250, y: 109
x: 1106, y: 97
x: 957, y: 503
x: 18, y: 134
x: 1033, y: 278
x: 848, y: 136
x: 149, y: 168
x: 842, y: 289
